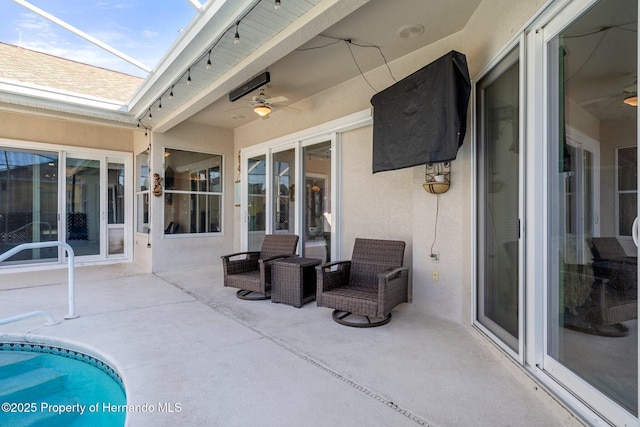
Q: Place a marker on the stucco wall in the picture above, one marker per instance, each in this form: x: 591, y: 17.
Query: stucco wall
x: 379, y: 205
x: 189, y: 249
x: 64, y: 132
x: 411, y: 211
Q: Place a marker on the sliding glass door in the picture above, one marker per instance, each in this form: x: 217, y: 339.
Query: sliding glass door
x: 498, y: 290
x: 591, y: 321
x: 88, y: 208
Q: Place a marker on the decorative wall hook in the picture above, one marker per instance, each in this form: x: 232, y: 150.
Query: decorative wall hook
x: 157, y: 185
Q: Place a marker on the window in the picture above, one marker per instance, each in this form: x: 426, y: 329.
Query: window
x: 142, y: 192
x: 627, y: 189
x: 193, y: 192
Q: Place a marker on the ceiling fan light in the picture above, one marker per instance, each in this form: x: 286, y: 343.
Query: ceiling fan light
x: 631, y: 100
x: 262, y: 110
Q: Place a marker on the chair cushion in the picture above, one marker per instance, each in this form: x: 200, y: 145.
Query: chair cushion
x: 354, y: 299
x: 249, y: 281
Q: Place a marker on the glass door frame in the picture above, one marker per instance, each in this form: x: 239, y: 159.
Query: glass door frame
x: 104, y: 158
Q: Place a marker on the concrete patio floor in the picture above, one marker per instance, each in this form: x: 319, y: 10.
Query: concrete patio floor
x: 180, y: 337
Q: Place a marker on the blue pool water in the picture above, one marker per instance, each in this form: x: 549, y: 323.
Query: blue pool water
x: 44, y: 385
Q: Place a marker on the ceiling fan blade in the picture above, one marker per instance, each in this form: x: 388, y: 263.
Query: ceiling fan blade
x: 598, y: 100
x: 238, y: 108
x: 277, y: 99
x: 286, y: 107
x: 616, y: 102
x: 632, y: 88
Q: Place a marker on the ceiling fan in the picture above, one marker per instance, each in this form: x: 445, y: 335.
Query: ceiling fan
x: 263, y: 105
x: 628, y: 95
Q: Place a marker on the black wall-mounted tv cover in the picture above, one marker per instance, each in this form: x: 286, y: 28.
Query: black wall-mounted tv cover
x: 422, y: 118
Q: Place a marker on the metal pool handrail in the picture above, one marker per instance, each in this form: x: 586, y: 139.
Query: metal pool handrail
x: 71, y: 267
x: 50, y: 319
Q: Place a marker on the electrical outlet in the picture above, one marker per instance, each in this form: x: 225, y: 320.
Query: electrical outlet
x: 435, y: 274
x: 435, y: 257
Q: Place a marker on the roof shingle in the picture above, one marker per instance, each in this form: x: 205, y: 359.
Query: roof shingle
x: 18, y: 64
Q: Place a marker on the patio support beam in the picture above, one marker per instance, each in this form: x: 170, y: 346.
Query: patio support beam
x: 196, y: 5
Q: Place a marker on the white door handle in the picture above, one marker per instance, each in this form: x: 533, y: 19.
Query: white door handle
x: 634, y: 231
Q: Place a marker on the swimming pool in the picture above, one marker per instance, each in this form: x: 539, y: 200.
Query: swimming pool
x: 50, y: 385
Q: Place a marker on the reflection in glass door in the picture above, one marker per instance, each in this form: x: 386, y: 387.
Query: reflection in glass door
x: 83, y: 206
x: 115, y: 209
x: 498, y: 201
x: 257, y: 201
x: 592, y: 329
x: 28, y: 203
x: 316, y: 240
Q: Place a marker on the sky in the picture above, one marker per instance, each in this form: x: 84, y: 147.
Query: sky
x: 141, y: 29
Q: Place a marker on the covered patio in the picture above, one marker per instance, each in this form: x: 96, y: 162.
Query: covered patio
x: 180, y: 337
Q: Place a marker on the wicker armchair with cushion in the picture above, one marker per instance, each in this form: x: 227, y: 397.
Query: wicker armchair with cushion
x: 370, y: 285
x: 250, y: 272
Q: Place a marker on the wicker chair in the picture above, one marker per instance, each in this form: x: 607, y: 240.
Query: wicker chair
x: 250, y: 272
x: 370, y: 285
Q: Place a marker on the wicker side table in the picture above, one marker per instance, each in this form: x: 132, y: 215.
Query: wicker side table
x: 293, y: 280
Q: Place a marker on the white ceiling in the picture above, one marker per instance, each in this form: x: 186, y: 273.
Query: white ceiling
x: 601, y: 59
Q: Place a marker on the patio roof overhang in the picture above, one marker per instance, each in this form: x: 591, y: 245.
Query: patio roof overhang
x: 267, y: 36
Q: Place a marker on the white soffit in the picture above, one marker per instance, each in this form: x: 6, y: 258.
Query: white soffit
x: 266, y: 35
